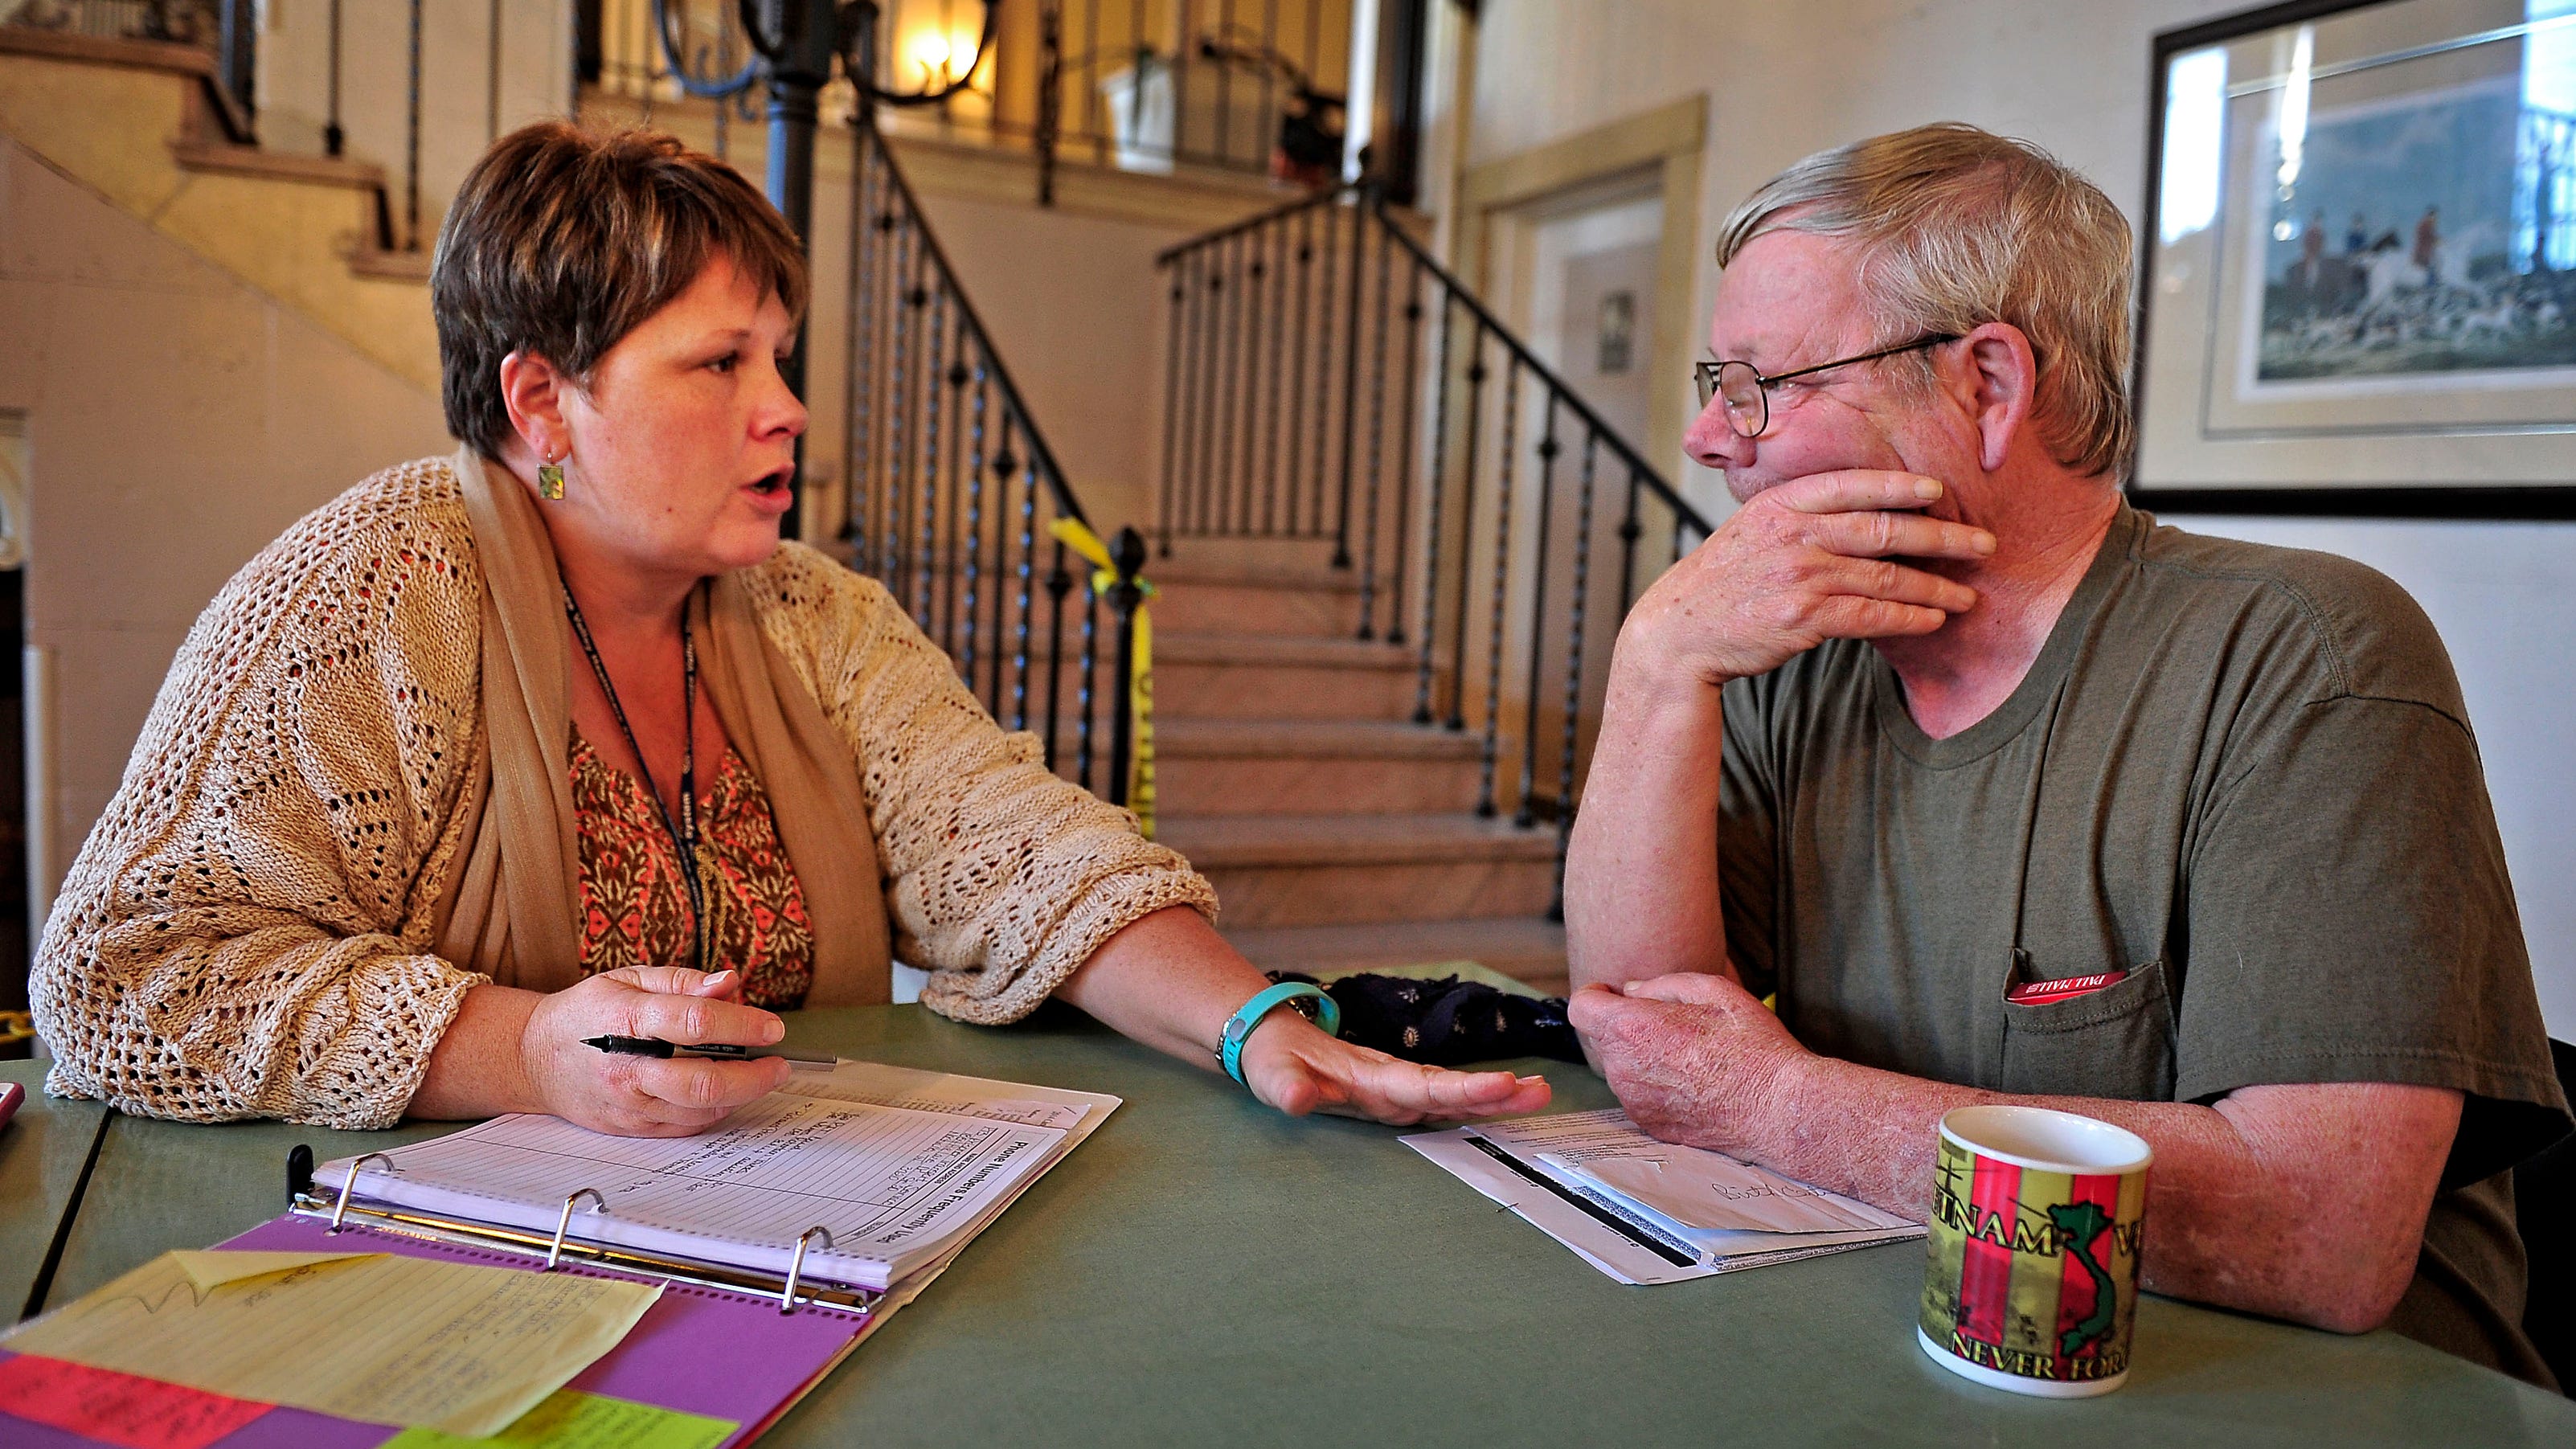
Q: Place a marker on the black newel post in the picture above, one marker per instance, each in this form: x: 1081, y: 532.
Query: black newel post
x: 1127, y: 554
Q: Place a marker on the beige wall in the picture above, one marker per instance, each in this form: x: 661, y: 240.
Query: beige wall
x: 177, y: 421
x: 2072, y: 77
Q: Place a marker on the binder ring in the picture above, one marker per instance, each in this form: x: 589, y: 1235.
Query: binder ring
x: 554, y: 1252
x: 796, y: 1265
x: 351, y: 1181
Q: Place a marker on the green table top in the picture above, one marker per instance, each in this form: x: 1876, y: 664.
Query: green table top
x: 42, y: 1151
x: 1203, y: 1270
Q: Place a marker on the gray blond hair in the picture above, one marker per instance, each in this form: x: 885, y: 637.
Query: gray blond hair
x: 1957, y: 227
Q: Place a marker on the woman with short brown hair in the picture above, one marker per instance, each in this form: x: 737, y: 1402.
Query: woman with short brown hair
x: 556, y: 739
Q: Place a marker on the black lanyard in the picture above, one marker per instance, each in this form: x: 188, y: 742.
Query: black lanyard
x: 684, y: 831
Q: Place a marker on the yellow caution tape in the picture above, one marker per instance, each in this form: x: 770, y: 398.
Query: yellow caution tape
x: 1073, y: 534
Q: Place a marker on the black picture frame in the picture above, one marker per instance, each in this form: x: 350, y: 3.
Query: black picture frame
x: 2544, y: 499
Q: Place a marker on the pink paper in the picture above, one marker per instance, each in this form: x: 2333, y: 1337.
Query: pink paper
x: 120, y: 1409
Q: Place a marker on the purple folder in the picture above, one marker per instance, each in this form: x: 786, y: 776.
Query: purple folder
x: 699, y: 1350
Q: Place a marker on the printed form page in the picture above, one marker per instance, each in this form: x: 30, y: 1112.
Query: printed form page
x: 891, y: 1184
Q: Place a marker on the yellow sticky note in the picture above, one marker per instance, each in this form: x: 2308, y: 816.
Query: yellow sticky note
x: 572, y: 1419
x: 215, y: 1267
x: 387, y: 1339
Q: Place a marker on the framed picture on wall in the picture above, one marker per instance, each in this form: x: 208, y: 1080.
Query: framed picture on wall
x: 2358, y: 290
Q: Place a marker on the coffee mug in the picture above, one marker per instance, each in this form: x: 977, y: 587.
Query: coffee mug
x: 2032, y: 1284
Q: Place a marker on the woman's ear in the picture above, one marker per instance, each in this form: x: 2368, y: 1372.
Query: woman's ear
x: 532, y: 389
x: 2001, y: 387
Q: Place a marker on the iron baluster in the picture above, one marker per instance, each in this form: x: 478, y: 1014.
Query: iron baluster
x: 1476, y: 375
x: 1323, y: 365
x: 955, y: 487
x: 1027, y: 608
x: 1058, y: 583
x: 1527, y: 816
x: 411, y: 142
x: 1630, y: 530
x: 1086, y: 688
x: 1212, y: 319
x: 1350, y: 385
x: 1431, y: 535
x: 934, y: 370
x: 972, y: 612
x: 898, y: 410
x: 1277, y: 233
x: 1255, y: 274
x: 1230, y: 383
x: 1572, y: 724
x: 1127, y: 557
x: 1297, y: 375
x: 1504, y: 458
x: 857, y: 350
x: 335, y: 139
x: 1376, y: 449
x: 1404, y: 453
x: 1169, y: 495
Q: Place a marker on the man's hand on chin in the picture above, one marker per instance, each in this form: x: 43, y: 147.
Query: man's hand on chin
x: 1694, y: 1058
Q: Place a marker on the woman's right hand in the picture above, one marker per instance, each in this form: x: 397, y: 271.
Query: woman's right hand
x: 648, y: 1096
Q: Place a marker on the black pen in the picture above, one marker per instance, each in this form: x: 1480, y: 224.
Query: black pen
x: 714, y: 1051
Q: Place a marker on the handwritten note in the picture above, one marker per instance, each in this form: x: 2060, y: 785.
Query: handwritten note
x: 215, y: 1267
x: 390, y: 1340
x: 115, y: 1408
x: 575, y: 1420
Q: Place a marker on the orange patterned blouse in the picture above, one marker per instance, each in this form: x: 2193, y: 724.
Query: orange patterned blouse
x: 635, y: 906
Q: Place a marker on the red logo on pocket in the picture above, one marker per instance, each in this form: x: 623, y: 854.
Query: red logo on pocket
x: 2033, y: 993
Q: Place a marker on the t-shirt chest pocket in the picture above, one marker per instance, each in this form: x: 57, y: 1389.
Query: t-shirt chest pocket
x: 2117, y: 1042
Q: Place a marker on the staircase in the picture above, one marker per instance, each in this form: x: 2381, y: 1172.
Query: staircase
x: 145, y: 124
x: 1337, y: 833
x: 1395, y: 549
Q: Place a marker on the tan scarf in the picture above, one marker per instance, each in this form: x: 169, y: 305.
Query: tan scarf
x: 510, y: 910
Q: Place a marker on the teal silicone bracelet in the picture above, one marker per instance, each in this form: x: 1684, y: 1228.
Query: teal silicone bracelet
x: 1238, y: 1027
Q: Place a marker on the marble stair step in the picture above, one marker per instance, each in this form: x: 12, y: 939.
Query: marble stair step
x: 1235, y: 675
x: 1355, y: 869
x: 1210, y: 767
x: 1279, y: 598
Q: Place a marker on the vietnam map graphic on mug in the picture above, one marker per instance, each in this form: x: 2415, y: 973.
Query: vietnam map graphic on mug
x: 2033, y: 1273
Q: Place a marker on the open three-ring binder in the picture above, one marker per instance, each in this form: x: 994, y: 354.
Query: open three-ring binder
x: 830, y: 1191
x: 783, y: 1237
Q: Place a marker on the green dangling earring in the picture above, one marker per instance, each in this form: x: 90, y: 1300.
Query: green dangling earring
x: 550, y: 482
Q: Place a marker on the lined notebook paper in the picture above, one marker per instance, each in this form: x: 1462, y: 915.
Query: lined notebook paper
x: 898, y: 1166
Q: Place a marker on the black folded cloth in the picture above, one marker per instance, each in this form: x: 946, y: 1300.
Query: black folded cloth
x: 1446, y: 1021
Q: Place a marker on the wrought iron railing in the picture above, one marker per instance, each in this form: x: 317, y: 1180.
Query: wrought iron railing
x: 951, y: 495
x: 1328, y: 380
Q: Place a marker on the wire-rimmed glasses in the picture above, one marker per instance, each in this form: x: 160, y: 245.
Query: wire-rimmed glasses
x: 1748, y: 392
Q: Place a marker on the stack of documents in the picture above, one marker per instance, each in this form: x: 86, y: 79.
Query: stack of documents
x: 459, y: 1298
x: 897, y: 1168
x: 1645, y: 1211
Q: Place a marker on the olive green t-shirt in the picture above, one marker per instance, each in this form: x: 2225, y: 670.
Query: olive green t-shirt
x: 2241, y: 774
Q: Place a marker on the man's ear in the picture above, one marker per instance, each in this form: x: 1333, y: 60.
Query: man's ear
x: 1999, y: 387
x: 533, y: 390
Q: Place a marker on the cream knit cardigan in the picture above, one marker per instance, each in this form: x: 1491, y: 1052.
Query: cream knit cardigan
x: 247, y: 931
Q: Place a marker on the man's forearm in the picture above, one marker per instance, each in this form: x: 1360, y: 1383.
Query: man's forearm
x: 1641, y: 896
x: 2255, y: 1203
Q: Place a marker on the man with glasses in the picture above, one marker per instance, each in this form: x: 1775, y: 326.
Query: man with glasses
x: 2005, y: 793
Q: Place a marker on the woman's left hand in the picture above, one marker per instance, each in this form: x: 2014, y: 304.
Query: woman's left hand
x: 1293, y: 1065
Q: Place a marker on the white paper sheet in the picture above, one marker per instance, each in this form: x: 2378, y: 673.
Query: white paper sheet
x: 1718, y: 1203
x: 898, y: 1187
x: 1623, y: 1255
